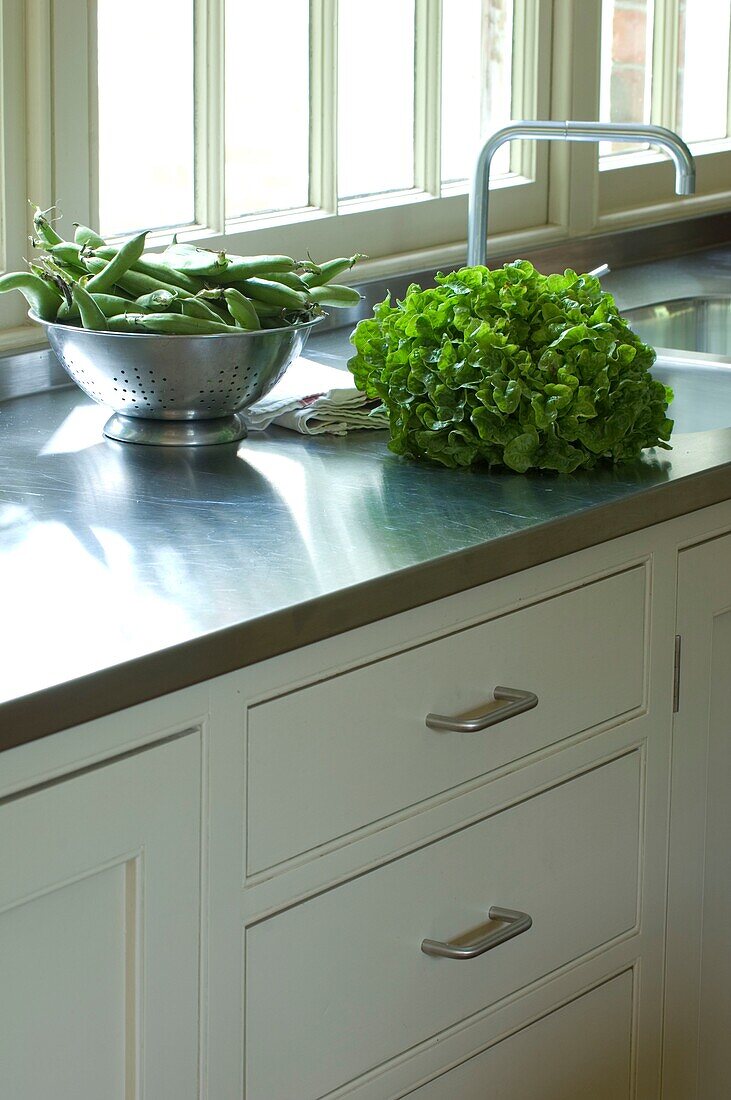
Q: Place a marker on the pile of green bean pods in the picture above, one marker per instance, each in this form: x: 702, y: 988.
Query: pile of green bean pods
x: 185, y: 291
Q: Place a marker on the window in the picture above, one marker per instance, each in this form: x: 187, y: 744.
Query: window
x: 295, y: 125
x: 626, y: 68
x: 267, y: 92
x: 477, y: 58
x: 340, y: 126
x: 375, y: 117
x: 667, y: 62
x: 702, y: 107
x: 145, y: 117
x: 13, y: 204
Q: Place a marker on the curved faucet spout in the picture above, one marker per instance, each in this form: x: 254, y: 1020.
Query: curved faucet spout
x: 667, y: 140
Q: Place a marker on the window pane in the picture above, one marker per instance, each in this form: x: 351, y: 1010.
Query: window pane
x: 375, y: 114
x: 146, y: 151
x: 477, y: 55
x: 626, y: 67
x: 703, y: 58
x: 267, y: 106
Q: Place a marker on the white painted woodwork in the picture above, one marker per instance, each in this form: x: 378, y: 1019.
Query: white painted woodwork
x: 343, y: 753
x: 715, y: 993
x: 579, y: 1052
x: 340, y: 982
x: 274, y: 952
x: 99, y: 931
x: 698, y: 1011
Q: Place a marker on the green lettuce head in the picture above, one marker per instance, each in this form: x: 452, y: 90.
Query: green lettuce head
x: 511, y: 368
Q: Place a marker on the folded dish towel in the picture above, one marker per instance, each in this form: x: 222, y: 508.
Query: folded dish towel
x: 313, y: 398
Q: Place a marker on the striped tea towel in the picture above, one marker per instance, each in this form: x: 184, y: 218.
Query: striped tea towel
x: 313, y: 398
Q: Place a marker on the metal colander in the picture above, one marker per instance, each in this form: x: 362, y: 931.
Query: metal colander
x: 176, y: 390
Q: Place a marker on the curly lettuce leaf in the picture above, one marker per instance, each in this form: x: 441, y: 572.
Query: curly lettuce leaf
x: 511, y: 368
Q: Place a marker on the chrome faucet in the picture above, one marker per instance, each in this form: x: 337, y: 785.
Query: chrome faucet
x: 666, y: 139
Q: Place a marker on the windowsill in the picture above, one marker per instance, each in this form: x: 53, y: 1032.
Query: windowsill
x: 650, y: 156
x: 160, y: 238
x: 22, y: 337
x: 497, y: 183
x: 691, y: 206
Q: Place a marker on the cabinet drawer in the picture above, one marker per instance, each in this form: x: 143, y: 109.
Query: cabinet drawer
x: 581, y: 1050
x: 344, y: 753
x: 341, y: 983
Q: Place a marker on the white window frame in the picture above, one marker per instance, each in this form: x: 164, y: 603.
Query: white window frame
x: 639, y: 189
x: 54, y: 160
x: 401, y: 223
x: 14, y: 120
x: 556, y: 191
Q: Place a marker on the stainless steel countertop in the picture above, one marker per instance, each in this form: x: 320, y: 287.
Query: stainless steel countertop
x: 129, y: 572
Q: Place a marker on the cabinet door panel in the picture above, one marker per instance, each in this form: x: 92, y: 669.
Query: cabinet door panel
x: 62, y: 961
x: 697, y: 1057
x: 99, y: 919
x: 715, y: 998
x: 340, y: 982
x: 339, y: 755
x: 582, y: 1050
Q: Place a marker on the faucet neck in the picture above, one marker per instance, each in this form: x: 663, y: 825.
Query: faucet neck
x: 547, y: 130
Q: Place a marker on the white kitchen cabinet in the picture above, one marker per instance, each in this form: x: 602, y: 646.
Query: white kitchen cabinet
x: 366, y: 832
x: 342, y: 983
x: 99, y: 930
x: 697, y: 1062
x: 375, y: 754
x: 579, y: 1052
x: 238, y: 910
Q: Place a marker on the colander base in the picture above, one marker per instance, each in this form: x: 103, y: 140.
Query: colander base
x: 175, y: 433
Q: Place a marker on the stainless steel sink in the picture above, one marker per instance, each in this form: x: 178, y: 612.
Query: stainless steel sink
x: 693, y: 341
x: 702, y: 391
x: 700, y: 324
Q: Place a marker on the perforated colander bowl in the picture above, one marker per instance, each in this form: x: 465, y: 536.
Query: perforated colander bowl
x: 176, y: 390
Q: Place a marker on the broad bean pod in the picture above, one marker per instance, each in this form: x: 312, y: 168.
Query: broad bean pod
x: 109, y: 304
x: 41, y: 296
x: 87, y: 237
x: 59, y: 271
x: 246, y: 267
x: 192, y: 260
x: 266, y: 312
x: 334, y: 295
x: 89, y: 310
x: 43, y: 229
x: 275, y: 294
x: 136, y: 283
x: 286, y: 278
x: 156, y: 301
x: 241, y: 309
x: 152, y: 265
x: 169, y: 324
x: 68, y: 252
x: 324, y: 273
x: 196, y: 307
x: 128, y: 254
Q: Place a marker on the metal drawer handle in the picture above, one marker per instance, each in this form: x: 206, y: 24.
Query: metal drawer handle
x: 515, y: 924
x: 507, y: 702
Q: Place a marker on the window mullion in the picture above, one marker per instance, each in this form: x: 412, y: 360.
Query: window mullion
x: 531, y: 97
x: 525, y: 83
x: 210, y: 136
x: 75, y: 160
x: 576, y: 59
x: 39, y: 103
x: 13, y: 187
x: 665, y: 63
x: 728, y: 95
x: 324, y: 105
x: 428, y: 96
